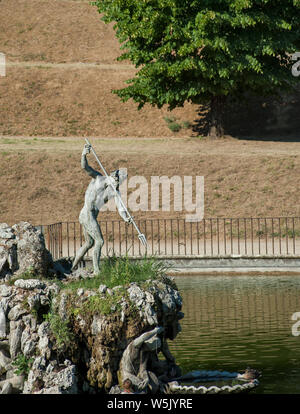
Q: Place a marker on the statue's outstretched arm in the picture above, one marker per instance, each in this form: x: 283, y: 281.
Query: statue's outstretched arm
x: 147, y: 335
x: 84, y: 164
x: 121, y: 210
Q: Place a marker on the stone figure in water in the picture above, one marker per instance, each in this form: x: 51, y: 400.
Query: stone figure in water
x: 140, y: 363
x: 97, y: 194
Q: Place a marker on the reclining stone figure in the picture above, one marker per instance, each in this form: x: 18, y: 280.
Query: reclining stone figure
x: 140, y: 363
x: 97, y: 194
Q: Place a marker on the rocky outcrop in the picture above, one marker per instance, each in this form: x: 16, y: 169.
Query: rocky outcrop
x: 22, y: 248
x: 61, y: 341
x: 21, y: 307
x: 51, y: 378
x: 58, y: 339
x: 8, y: 251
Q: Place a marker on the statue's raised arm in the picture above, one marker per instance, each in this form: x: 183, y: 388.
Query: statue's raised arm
x: 138, y: 342
x: 84, y: 163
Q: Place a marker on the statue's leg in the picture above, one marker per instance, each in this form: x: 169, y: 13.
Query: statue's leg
x: 95, y: 232
x: 89, y: 242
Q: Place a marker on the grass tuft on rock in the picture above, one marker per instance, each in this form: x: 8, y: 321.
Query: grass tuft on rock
x: 121, y: 271
x: 22, y: 365
x: 60, y: 329
x: 99, y: 305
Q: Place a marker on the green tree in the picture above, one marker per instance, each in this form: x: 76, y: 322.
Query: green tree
x: 204, y: 51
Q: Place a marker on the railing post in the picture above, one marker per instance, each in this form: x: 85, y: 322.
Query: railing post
x: 171, y: 225
x: 191, y: 224
x: 258, y: 231
x: 106, y: 239
x: 165, y: 223
x: 273, y: 250
x: 120, y: 236
x: 113, y: 237
x: 287, y: 236
x: 61, y: 241
x: 238, y: 231
x: 204, y: 237
x: 211, y: 238
x: 74, y: 245
x: 245, y: 234
x: 294, y: 251
x: 184, y: 232
x: 231, y: 241
x: 266, y: 236
x: 68, y: 240
x: 126, y: 238
x: 252, y: 243
x: 198, y: 237
x: 224, y: 224
x: 152, y: 237
x: 48, y: 238
x: 218, y: 236
x: 178, y: 236
x: 279, y: 224
x: 132, y: 239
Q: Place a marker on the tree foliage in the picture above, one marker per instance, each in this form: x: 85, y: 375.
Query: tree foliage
x: 196, y: 50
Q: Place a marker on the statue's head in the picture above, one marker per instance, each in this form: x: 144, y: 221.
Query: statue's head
x: 127, y: 384
x: 119, y: 176
x: 173, y: 328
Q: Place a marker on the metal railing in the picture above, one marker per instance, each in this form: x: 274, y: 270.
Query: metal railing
x: 211, y: 237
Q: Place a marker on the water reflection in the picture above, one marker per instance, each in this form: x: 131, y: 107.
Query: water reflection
x: 232, y: 322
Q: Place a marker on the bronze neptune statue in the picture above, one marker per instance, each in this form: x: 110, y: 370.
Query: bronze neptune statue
x: 99, y: 191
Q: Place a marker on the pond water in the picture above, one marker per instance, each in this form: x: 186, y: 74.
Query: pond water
x: 232, y: 322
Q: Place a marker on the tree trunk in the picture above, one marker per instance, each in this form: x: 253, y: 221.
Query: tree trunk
x: 217, y: 106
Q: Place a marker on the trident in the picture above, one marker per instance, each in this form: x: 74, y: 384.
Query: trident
x: 141, y: 236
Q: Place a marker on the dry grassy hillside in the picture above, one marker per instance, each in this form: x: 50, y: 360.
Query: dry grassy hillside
x: 42, y: 181
x: 61, y: 68
x: 68, y: 90
x: 55, y: 31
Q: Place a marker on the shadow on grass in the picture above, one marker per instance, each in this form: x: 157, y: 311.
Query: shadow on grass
x: 256, y: 118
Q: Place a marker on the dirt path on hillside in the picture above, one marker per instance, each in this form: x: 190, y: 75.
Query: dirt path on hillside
x: 132, y: 145
x: 70, y: 65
